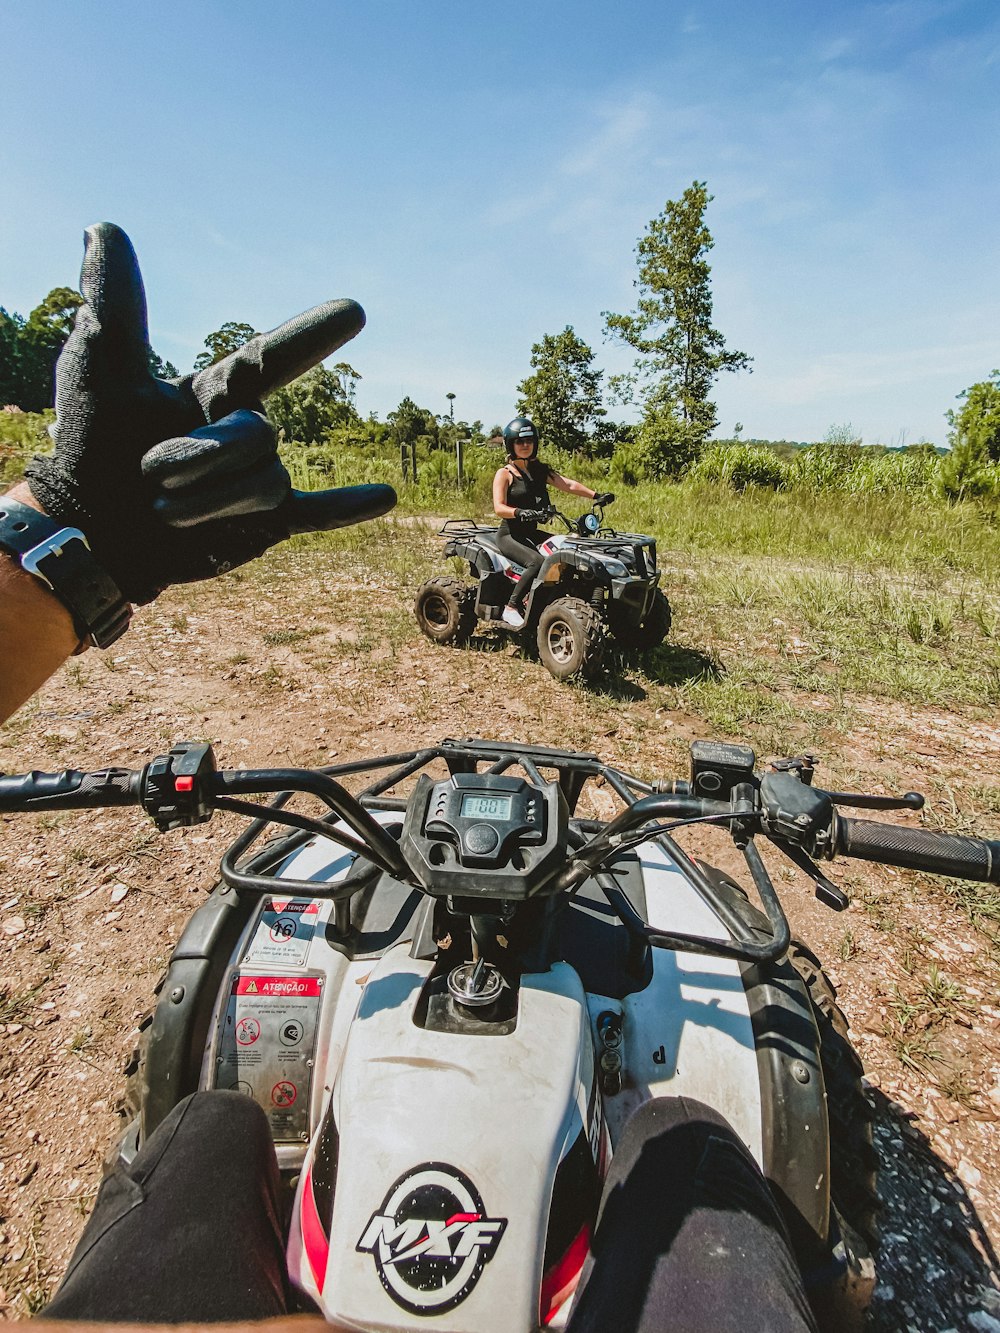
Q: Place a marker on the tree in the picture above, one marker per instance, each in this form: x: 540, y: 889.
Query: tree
x: 975, y: 440
x: 680, y: 354
x: 224, y: 341
x: 29, y: 349
x: 319, y: 401
x: 163, y: 370
x: 843, y: 436
x: 10, y: 358
x: 563, y: 396
x: 410, y: 424
x: 41, y: 338
x: 977, y: 425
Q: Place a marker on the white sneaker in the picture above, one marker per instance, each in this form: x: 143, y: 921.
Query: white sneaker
x: 512, y: 618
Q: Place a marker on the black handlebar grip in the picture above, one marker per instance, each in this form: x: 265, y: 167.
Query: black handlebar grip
x: 919, y: 849
x: 69, y: 790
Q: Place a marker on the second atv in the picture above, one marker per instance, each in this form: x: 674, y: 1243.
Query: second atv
x: 595, y: 584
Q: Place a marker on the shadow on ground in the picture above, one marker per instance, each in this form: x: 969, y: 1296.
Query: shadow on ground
x: 674, y: 664
x: 936, y: 1267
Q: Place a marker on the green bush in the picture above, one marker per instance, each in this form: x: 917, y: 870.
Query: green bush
x: 739, y: 466
x: 22, y: 434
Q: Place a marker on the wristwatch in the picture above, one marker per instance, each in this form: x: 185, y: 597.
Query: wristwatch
x: 61, y: 557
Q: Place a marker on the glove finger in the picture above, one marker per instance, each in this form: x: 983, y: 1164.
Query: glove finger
x: 234, y: 445
x: 271, y: 360
x: 322, y: 511
x: 114, y: 309
x: 260, y: 491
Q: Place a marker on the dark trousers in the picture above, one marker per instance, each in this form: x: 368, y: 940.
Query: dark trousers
x: 522, y: 553
x: 688, y: 1238
x: 190, y: 1232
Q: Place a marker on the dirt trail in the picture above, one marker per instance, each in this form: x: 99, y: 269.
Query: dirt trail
x: 288, y: 671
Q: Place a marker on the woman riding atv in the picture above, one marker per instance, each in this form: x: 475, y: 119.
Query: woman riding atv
x: 521, y: 501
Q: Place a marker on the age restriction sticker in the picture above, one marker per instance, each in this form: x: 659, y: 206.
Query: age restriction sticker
x: 266, y: 1047
x: 284, y: 932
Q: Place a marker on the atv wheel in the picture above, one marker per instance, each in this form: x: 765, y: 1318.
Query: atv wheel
x: 646, y: 633
x: 570, y: 638
x: 853, y: 1161
x: 445, y: 610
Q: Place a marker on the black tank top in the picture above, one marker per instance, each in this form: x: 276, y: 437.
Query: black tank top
x: 526, y: 491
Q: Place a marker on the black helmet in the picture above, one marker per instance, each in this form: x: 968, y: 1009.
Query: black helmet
x: 519, y: 429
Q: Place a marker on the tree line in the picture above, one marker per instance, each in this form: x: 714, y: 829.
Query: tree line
x: 679, y: 354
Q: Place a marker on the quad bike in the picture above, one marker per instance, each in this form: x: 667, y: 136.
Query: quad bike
x: 450, y: 1002
x: 594, y: 582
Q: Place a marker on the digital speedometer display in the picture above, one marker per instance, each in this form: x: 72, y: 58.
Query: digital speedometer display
x: 486, y: 807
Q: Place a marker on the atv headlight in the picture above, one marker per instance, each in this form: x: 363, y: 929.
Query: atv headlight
x: 615, y: 568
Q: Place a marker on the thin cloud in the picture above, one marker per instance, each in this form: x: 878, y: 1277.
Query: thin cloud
x: 624, y: 129
x: 845, y: 374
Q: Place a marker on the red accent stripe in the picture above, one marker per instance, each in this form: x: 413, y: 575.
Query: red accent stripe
x: 560, y: 1281
x: 314, y: 1239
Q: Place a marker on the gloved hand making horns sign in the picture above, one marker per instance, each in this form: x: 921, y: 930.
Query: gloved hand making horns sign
x: 173, y: 481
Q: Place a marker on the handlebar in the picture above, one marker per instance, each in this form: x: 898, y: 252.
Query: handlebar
x: 918, y: 849
x: 70, y: 790
x: 184, y: 787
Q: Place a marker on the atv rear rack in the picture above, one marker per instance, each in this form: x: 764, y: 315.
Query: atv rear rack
x: 454, y: 525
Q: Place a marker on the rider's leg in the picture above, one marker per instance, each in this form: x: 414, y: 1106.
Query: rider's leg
x: 688, y: 1238
x: 522, y: 553
x: 191, y: 1231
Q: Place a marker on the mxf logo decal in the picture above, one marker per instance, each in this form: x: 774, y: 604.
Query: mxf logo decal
x: 431, y: 1239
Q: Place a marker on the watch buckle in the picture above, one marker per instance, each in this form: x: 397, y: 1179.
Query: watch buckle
x: 51, y: 545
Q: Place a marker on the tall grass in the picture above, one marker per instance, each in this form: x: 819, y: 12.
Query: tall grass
x: 904, y: 529
x: 837, y: 506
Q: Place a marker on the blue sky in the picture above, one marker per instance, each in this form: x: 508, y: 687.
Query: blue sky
x: 478, y: 175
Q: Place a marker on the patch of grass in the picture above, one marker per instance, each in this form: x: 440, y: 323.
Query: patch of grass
x: 980, y: 903
x: 916, y: 1051
x: 848, y: 947
x: 282, y: 637
x: 881, y: 910
x: 956, y: 1082
x: 15, y: 1004
x: 939, y: 995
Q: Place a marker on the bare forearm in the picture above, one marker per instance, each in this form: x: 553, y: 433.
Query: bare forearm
x: 36, y: 630
x: 573, y: 487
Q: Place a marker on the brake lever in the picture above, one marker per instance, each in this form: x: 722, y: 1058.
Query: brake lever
x: 826, y: 891
x: 911, y: 800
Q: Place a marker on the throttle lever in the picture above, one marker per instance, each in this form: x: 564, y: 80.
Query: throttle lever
x: 826, y: 891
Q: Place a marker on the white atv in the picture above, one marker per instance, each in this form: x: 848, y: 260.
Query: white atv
x: 594, y: 583
x: 449, y: 1002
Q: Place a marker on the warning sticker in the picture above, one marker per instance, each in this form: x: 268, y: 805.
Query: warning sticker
x: 278, y: 986
x: 266, y: 1047
x: 284, y: 932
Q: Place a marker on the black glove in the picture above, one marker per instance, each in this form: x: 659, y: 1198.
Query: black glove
x: 531, y: 515
x: 174, y: 481
x: 603, y: 498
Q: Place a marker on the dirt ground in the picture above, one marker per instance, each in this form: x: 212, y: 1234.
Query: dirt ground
x: 304, y: 664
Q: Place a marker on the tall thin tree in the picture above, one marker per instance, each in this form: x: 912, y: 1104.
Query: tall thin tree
x: 680, y: 352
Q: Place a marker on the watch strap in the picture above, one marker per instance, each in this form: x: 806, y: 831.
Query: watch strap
x: 61, y: 558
